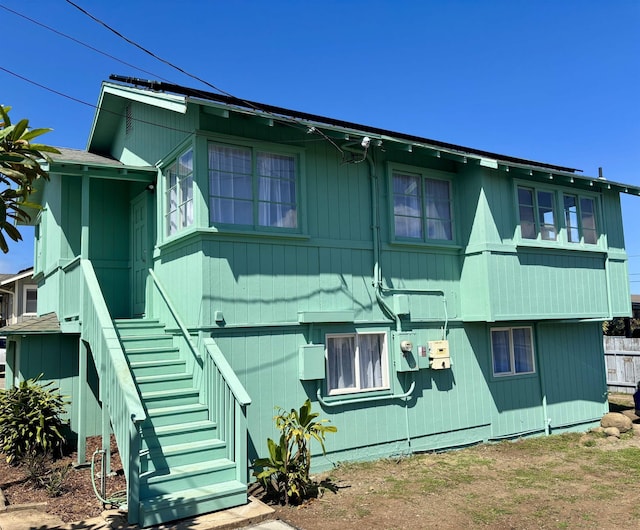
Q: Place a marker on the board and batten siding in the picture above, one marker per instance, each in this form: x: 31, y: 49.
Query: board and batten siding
x: 443, y: 406
x: 56, y: 356
x: 572, y: 372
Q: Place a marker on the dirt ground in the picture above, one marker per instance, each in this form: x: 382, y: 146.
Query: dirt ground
x: 566, y: 481
x: 78, y: 500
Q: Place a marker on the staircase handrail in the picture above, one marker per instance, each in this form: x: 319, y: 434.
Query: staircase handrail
x: 229, y: 376
x: 174, y: 313
x: 115, y: 354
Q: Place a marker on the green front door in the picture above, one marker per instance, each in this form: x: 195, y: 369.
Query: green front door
x: 139, y: 254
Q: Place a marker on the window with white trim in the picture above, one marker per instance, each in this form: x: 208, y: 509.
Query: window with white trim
x: 422, y: 207
x: 356, y: 362
x: 537, y: 214
x: 512, y: 351
x: 179, y: 193
x: 580, y: 219
x: 252, y: 187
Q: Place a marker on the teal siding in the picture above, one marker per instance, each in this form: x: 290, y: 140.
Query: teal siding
x: 544, y: 285
x: 619, y: 288
x: 70, y: 217
x: 573, y: 369
x: 147, y: 143
x: 56, y: 356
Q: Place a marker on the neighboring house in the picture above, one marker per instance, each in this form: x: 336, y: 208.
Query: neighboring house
x: 635, y: 306
x: 208, y: 259
x: 19, y: 297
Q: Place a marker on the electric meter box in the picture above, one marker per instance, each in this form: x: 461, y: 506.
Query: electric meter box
x: 311, y: 363
x: 423, y: 357
x: 404, y: 351
x: 439, y: 358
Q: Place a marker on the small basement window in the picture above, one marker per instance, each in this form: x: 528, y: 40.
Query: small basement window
x: 356, y: 362
x: 512, y: 351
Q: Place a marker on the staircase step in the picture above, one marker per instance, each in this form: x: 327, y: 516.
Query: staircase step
x: 194, y: 431
x: 156, y: 340
x: 182, y: 454
x: 150, y: 383
x: 157, y: 367
x: 161, y: 416
x: 177, y: 478
x: 191, y: 502
x: 138, y: 327
x: 134, y: 321
x: 170, y: 398
x: 152, y: 353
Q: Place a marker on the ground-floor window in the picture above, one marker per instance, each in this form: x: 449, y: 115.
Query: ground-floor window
x: 512, y: 351
x: 356, y: 362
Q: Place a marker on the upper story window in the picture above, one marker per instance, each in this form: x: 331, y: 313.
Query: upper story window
x: 422, y: 207
x: 356, y: 362
x: 252, y: 187
x: 179, y: 193
x: 512, y: 351
x: 537, y: 214
x: 580, y: 219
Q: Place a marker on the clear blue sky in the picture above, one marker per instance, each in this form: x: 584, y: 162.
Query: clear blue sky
x: 554, y: 81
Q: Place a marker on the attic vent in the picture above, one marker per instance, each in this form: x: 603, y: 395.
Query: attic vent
x: 129, y: 119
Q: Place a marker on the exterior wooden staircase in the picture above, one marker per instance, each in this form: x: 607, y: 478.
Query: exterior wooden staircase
x: 188, y: 465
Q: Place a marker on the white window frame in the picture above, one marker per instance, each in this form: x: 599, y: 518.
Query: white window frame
x: 580, y: 218
x: 357, y: 388
x: 424, y: 216
x: 184, y: 203
x: 290, y: 222
x: 25, y: 289
x: 541, y: 228
x: 512, y: 353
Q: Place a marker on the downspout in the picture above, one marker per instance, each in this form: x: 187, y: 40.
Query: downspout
x: 375, y: 228
x: 607, y: 272
x: 377, y: 283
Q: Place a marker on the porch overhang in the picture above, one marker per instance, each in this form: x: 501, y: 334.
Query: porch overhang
x: 42, y: 325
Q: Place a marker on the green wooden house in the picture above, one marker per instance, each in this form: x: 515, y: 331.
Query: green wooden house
x: 207, y: 259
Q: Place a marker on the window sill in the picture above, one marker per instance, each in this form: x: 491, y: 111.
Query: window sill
x: 513, y: 377
x: 362, y: 397
x: 191, y: 233
x: 349, y: 393
x: 436, y: 244
x: 560, y: 246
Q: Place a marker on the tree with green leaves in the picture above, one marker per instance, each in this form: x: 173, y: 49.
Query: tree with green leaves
x: 20, y: 166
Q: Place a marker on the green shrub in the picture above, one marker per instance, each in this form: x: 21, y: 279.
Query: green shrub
x: 285, y: 472
x: 30, y: 420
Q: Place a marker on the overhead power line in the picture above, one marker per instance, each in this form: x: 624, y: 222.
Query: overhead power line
x: 121, y: 115
x: 145, y: 50
x: 76, y: 100
x: 77, y: 41
x: 280, y: 119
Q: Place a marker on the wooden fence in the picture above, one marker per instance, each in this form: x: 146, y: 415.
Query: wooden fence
x: 622, y: 360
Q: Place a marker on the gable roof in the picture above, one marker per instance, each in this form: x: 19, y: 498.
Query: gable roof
x: 114, y: 98
x: 6, y: 279
x: 78, y: 162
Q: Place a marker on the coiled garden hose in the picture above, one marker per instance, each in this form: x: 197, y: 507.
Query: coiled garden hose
x: 119, y: 498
